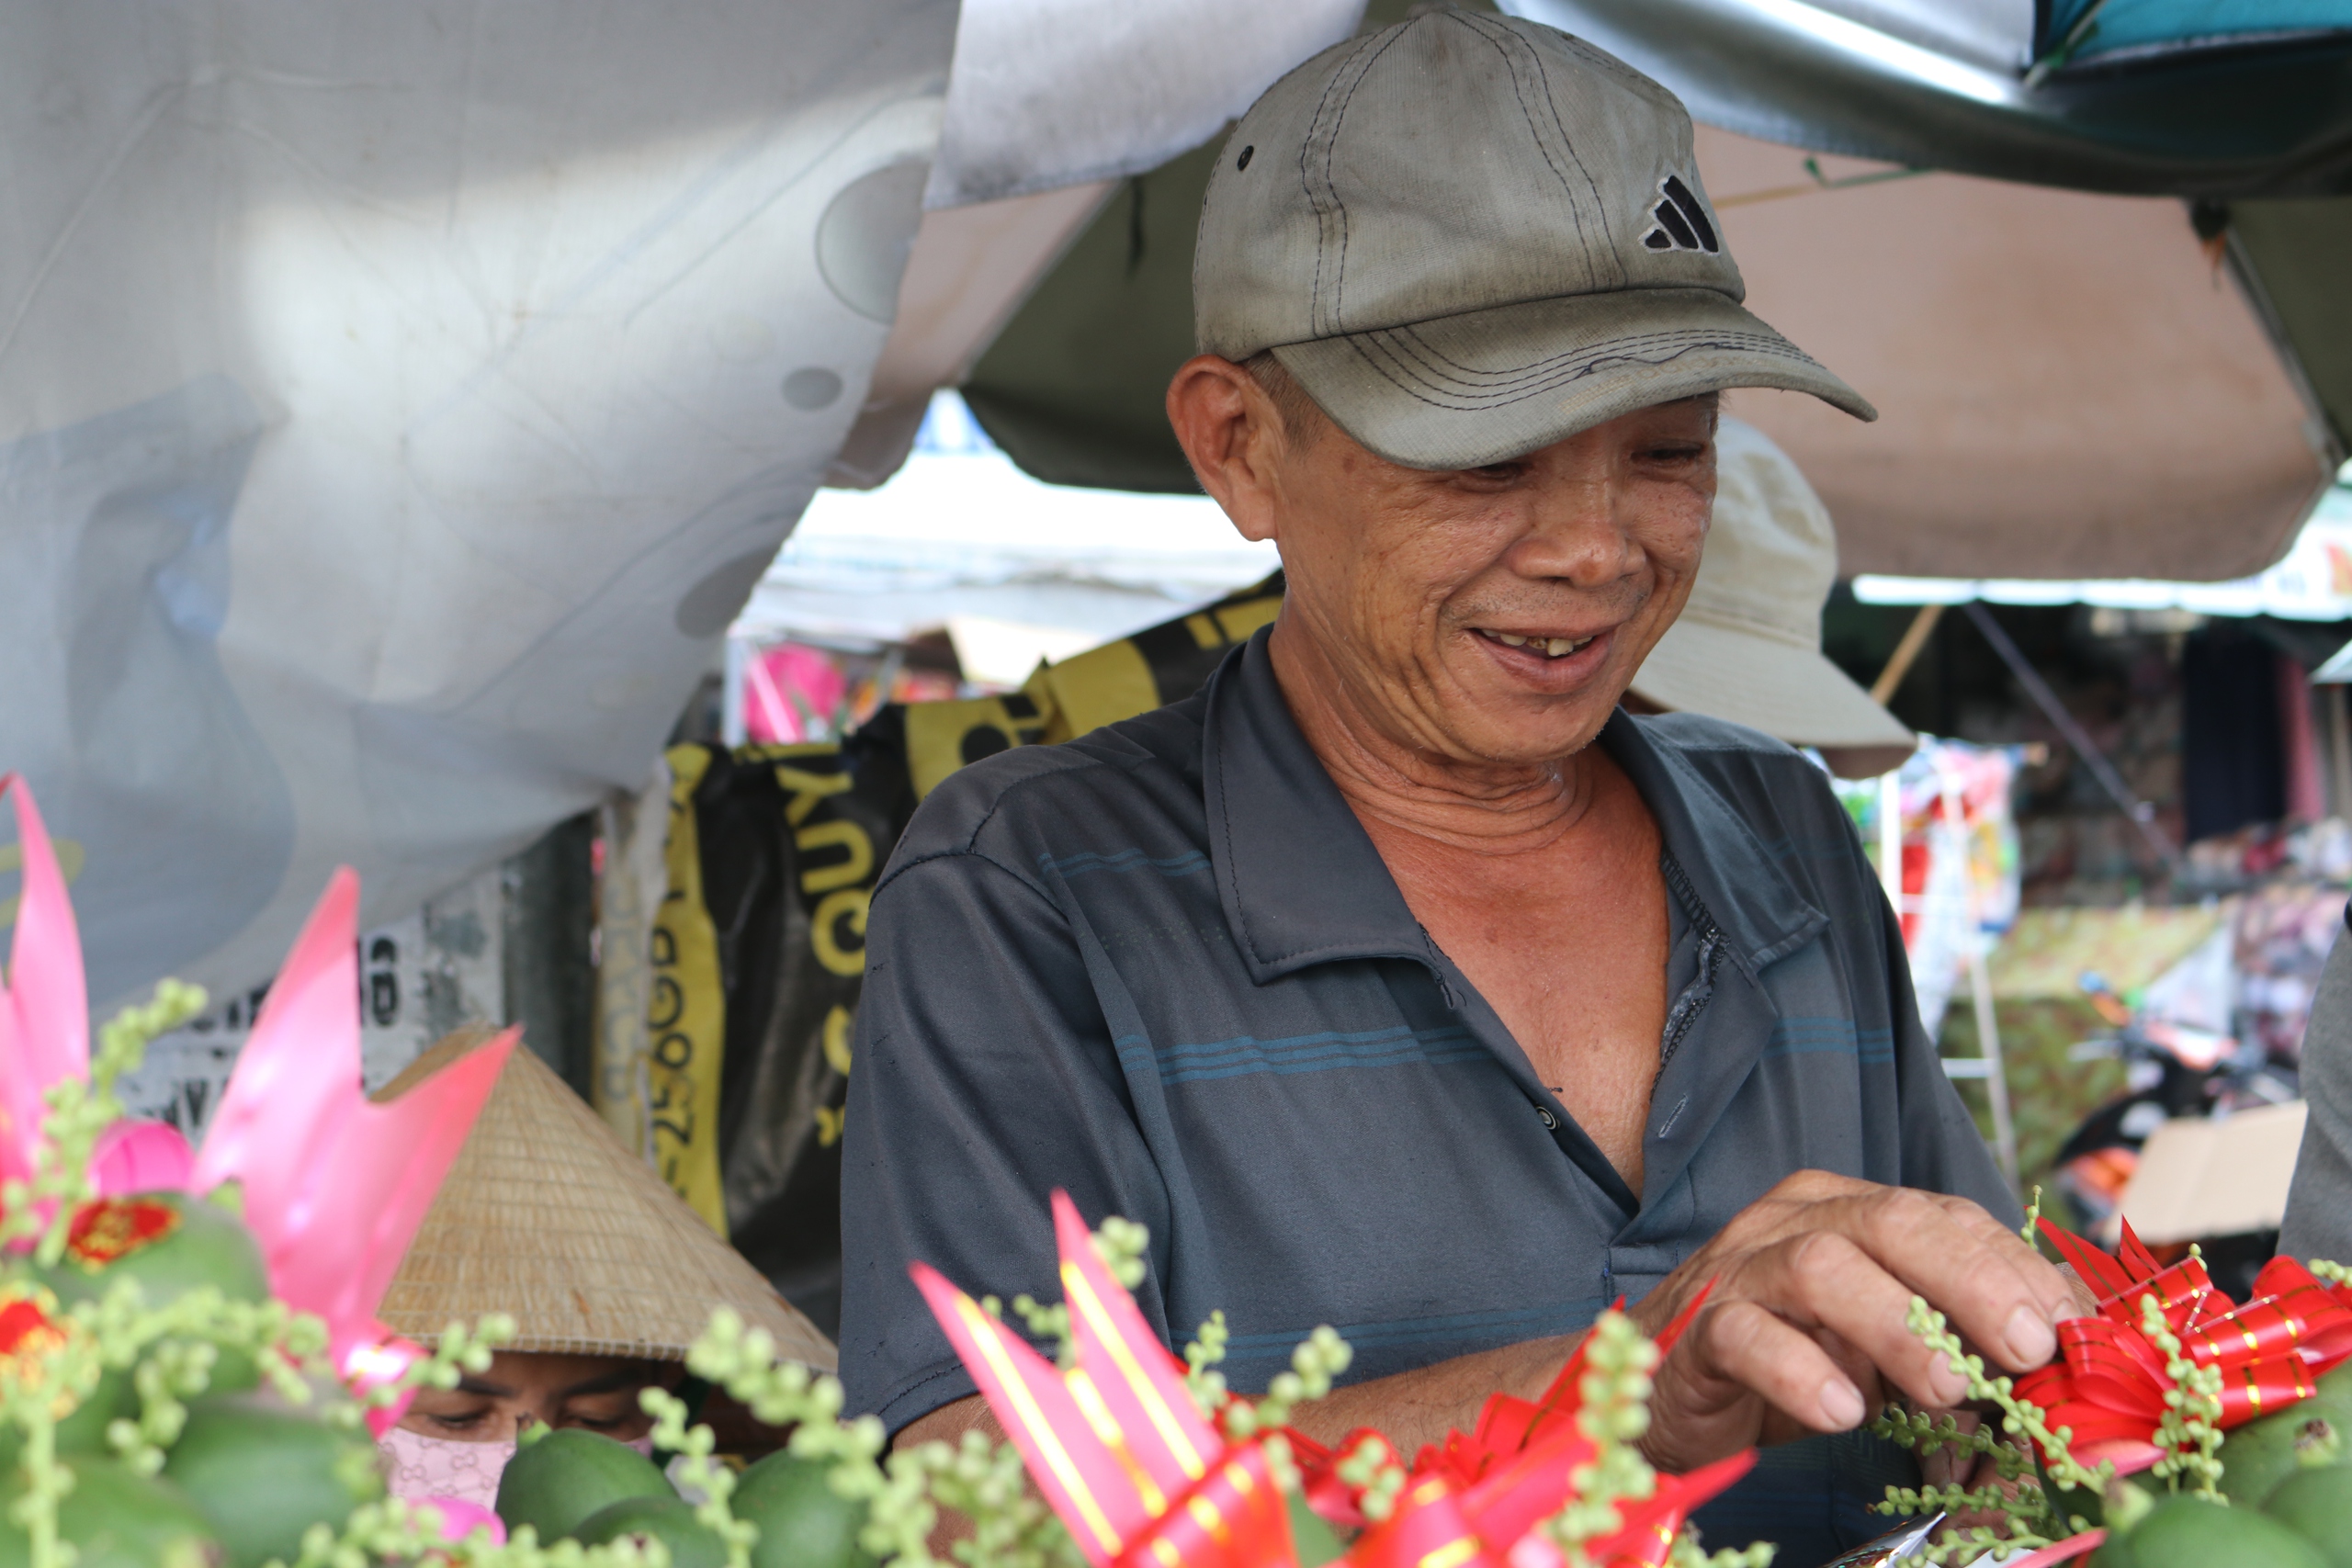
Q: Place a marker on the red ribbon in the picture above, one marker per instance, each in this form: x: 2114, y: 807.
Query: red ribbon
x: 2109, y: 1381
x: 1474, y: 1499
x: 1233, y: 1516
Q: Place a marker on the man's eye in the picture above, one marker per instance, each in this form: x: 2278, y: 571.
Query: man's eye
x: 465, y: 1423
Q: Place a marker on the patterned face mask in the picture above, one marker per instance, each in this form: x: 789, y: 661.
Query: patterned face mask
x: 417, y: 1467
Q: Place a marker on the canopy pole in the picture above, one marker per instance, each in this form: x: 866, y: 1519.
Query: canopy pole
x: 2141, y: 814
x: 1988, y: 1046
x: 1907, y: 652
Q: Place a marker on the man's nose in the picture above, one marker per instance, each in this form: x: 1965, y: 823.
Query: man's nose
x: 1574, y: 534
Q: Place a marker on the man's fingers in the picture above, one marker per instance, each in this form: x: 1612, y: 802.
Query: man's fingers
x: 2049, y: 1283
x: 1827, y: 1283
x: 1743, y: 1344
x: 1855, y: 1363
x: 2081, y: 1300
x: 1816, y: 1279
x: 1966, y: 1263
x: 1988, y: 1287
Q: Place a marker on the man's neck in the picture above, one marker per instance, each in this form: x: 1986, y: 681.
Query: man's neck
x: 1396, y: 787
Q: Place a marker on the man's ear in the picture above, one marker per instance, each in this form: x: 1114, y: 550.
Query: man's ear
x: 1232, y: 433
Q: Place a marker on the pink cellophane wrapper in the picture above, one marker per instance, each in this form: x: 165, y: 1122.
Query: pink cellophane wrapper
x: 460, y: 1519
x: 333, y: 1187
x: 336, y: 1187
x: 44, y: 1015
x: 140, y: 1156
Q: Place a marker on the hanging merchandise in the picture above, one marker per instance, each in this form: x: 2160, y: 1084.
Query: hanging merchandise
x: 773, y: 853
x: 791, y: 692
x: 2284, y: 932
x: 1960, y: 883
x: 747, y: 984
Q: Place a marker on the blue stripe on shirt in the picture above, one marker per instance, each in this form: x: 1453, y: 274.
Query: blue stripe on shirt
x: 1836, y: 1036
x: 1125, y: 860
x: 1511, y: 1327
x: 1245, y: 1054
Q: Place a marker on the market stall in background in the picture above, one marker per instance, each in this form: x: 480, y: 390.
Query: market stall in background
x: 2119, y: 889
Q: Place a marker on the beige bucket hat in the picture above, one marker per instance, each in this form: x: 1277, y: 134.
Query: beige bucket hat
x: 1748, y: 646
x: 545, y: 1217
x: 1470, y: 236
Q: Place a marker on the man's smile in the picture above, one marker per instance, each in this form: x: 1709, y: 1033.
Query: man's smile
x: 1549, y: 647
x: 1554, y: 662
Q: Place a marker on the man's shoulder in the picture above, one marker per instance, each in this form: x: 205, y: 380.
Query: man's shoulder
x: 1781, y: 794
x: 1149, y: 765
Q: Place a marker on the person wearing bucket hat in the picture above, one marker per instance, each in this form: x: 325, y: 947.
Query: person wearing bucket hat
x: 1398, y: 979
x: 608, y: 1275
x: 1747, y: 644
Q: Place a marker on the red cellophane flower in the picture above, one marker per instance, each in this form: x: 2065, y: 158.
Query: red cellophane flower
x: 1143, y: 1480
x: 2109, y: 1381
x: 25, y: 1327
x: 1493, y: 1485
x: 32, y: 1333
x: 111, y: 1228
x: 1116, y: 1445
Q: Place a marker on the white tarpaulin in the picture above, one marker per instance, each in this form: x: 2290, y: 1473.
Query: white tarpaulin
x: 1055, y: 92
x: 397, y: 402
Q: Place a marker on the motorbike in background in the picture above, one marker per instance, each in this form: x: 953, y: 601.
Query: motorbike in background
x: 2171, y: 1071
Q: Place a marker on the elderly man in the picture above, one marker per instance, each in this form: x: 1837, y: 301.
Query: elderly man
x: 1398, y: 980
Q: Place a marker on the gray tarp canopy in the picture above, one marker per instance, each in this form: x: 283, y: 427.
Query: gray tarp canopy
x: 2081, y: 376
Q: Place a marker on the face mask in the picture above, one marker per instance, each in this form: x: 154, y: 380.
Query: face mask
x: 417, y: 1467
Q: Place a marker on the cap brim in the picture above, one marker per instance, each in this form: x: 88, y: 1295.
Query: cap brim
x: 1789, y: 693
x: 1487, y: 386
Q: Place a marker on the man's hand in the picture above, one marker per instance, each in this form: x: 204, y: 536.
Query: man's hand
x: 1804, y: 1331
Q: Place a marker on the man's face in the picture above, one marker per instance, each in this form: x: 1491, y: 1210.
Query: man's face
x: 1496, y: 615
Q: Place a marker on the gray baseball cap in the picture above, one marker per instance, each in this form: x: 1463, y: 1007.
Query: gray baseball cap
x: 1470, y: 236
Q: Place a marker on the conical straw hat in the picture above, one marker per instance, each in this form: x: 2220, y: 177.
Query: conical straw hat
x: 546, y: 1218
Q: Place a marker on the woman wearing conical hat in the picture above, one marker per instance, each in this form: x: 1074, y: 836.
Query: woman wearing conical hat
x: 606, y: 1272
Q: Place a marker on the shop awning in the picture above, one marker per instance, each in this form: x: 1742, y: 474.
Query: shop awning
x: 2081, y: 374
x: 2071, y: 384
x: 2313, y: 583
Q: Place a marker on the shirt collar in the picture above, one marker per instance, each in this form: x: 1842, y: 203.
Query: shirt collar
x: 1759, y: 911
x: 1301, y: 883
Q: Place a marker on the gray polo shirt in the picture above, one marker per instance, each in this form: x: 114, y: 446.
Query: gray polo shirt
x: 1163, y: 967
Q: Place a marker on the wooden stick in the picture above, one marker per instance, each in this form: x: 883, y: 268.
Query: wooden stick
x: 1915, y: 638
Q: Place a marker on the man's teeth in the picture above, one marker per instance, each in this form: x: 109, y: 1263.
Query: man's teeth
x: 1552, y: 648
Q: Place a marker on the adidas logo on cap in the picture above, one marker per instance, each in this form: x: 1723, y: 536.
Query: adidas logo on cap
x: 1682, y: 223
